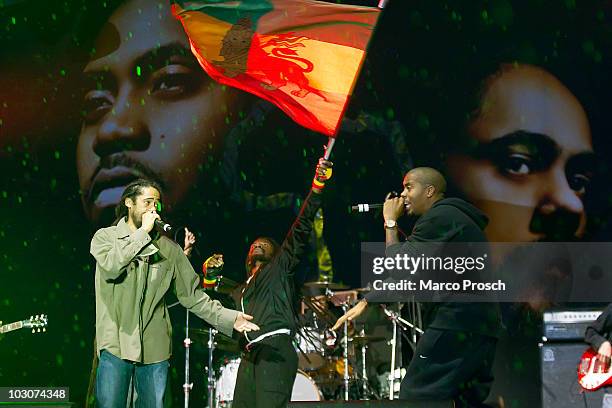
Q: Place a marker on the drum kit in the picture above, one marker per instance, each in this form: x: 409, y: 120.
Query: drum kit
x: 331, y: 366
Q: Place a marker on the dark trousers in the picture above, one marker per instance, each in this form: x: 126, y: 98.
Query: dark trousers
x: 450, y: 365
x: 266, y: 374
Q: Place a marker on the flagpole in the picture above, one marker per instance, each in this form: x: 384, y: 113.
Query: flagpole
x: 329, y: 147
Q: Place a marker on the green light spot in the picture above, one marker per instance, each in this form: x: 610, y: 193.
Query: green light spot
x: 423, y: 121
x: 13, y: 20
x: 59, y: 359
x: 56, y: 154
x: 517, y: 365
x: 138, y: 70
x: 390, y: 114
x: 597, y: 57
x: 62, y: 72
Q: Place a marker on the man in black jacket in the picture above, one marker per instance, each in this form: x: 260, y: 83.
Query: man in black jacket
x: 269, y: 364
x: 454, y: 357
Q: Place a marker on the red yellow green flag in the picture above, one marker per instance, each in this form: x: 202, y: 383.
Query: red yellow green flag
x: 302, y: 55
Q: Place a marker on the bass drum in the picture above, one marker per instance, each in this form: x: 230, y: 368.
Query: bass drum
x: 304, y: 388
x: 226, y: 382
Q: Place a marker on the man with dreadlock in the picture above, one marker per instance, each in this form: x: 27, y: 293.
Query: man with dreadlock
x: 135, y: 268
x: 269, y: 364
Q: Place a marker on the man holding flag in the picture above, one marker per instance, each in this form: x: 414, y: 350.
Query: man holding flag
x: 269, y: 364
x: 304, y: 56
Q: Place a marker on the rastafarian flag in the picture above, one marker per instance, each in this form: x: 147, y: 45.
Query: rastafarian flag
x: 302, y: 55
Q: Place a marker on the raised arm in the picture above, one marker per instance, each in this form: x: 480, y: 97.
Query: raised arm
x: 298, y: 236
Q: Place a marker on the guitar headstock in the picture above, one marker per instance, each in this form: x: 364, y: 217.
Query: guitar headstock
x: 37, y: 323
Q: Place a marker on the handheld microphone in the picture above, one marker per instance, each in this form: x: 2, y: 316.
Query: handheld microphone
x: 162, y: 226
x: 363, y: 208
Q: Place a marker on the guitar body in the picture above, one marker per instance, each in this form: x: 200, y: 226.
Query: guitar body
x: 592, y: 374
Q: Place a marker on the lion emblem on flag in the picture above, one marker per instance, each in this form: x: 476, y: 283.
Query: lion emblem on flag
x: 274, y: 61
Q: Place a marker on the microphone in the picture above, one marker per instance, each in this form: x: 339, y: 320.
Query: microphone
x: 162, y: 226
x: 363, y: 208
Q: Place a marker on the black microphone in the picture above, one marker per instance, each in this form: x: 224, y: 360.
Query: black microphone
x: 363, y: 208
x: 162, y: 226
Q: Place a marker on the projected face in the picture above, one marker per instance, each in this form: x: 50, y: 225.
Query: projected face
x: 150, y: 110
x: 533, y: 160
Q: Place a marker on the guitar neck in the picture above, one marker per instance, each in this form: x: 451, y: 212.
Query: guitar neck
x: 11, y: 326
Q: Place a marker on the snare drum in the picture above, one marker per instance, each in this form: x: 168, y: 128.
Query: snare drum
x: 304, y: 388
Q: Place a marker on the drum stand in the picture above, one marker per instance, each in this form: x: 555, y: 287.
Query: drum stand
x: 398, y: 322
x: 364, y: 373
x: 345, y: 355
x: 329, y: 293
x: 187, y: 386
x: 366, y: 390
x: 212, y: 403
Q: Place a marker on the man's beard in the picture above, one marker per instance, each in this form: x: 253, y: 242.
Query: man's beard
x: 136, y: 219
x: 263, y: 258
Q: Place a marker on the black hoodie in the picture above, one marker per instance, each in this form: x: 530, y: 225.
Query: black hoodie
x: 452, y: 220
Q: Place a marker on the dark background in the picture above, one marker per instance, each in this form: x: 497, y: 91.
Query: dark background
x: 422, y: 54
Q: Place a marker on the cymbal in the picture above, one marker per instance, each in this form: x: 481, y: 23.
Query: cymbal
x: 222, y: 342
x: 325, y: 285
x: 363, y: 290
x: 367, y: 339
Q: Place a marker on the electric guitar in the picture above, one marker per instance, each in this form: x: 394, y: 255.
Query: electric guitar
x: 36, y: 323
x: 592, y: 373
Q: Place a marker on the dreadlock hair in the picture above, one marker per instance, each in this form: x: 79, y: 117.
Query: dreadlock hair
x: 133, y: 190
x: 275, y: 249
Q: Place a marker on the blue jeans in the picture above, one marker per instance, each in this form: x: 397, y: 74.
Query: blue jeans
x: 113, y: 382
